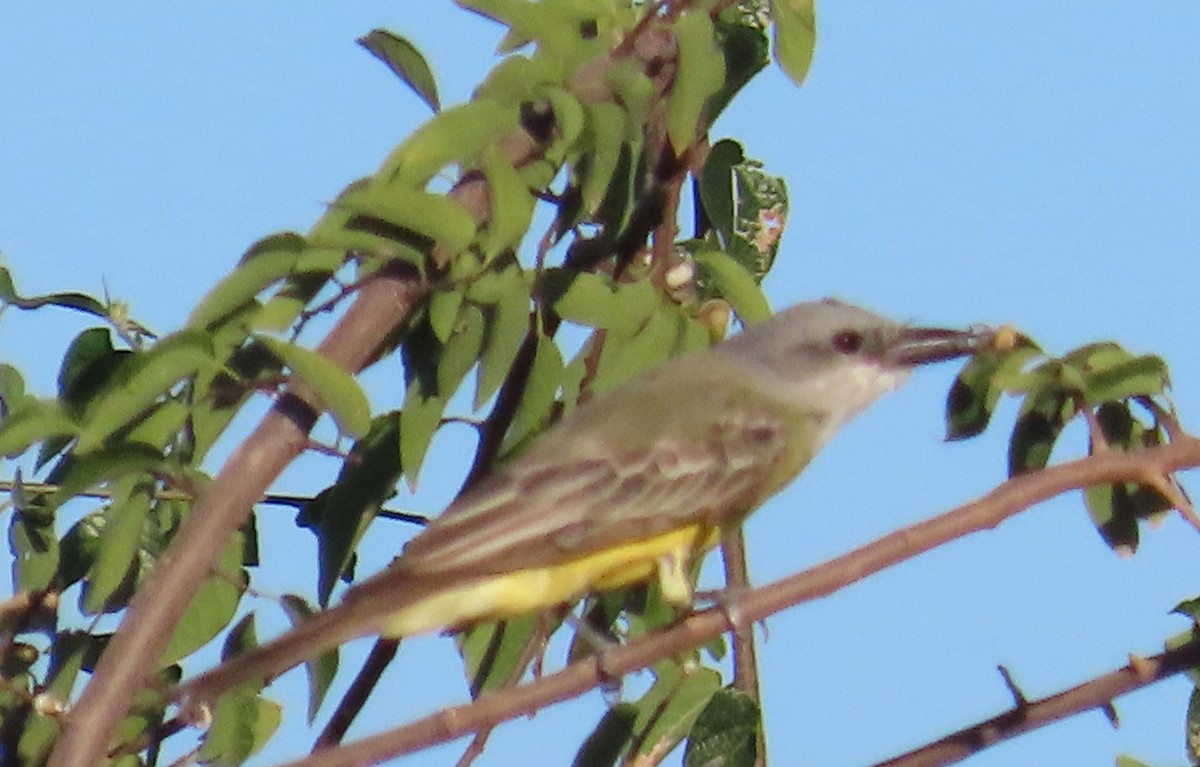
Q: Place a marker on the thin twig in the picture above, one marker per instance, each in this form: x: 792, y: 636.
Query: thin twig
x: 1096, y: 693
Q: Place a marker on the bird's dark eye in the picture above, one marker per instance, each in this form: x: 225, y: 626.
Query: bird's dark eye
x: 848, y: 341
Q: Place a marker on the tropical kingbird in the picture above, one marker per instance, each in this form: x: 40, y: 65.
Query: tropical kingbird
x: 632, y: 485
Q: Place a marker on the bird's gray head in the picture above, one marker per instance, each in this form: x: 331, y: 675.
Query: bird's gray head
x: 831, y: 360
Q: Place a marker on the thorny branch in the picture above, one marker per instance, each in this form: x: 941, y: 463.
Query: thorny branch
x: 1007, y: 500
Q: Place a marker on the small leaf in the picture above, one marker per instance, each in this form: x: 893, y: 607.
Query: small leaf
x: 120, y: 539
x: 33, y: 422
x: 461, y: 350
x: 454, y: 135
x: 512, y: 205
x: 582, y: 297
x: 605, y: 744
x: 795, y: 36
x: 1144, y: 376
x: 735, y: 285
x: 624, y: 358
x: 607, y: 127
x: 213, y: 607
x: 266, y: 262
x: 443, y: 310
x: 76, y: 301
x: 419, y: 420
x: 672, y: 706
x: 321, y: 670
x: 338, y: 391
x: 715, y: 185
x: 242, y: 724
x: 507, y: 327
x: 978, y: 387
x: 405, y: 61
x: 414, y: 215
x: 492, y: 651
x: 35, y: 551
x: 540, y: 394
x: 340, y: 514
x: 141, y: 381
x: 699, y: 74
x: 725, y: 733
x: 1043, y: 415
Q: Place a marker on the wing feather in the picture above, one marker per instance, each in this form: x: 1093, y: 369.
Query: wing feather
x: 571, y: 497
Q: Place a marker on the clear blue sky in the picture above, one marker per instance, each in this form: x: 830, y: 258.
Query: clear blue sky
x: 1017, y: 162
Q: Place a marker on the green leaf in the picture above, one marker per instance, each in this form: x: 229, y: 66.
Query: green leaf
x: 35, y: 551
x: 760, y: 215
x: 1138, y: 377
x: 512, y: 205
x: 78, y: 474
x: 1192, y: 739
x: 77, y: 301
x: 741, y: 33
x: 625, y: 357
x: 121, y: 535
x: 454, y: 135
x: 735, y: 285
x: 795, y: 36
x: 34, y: 421
x: 79, y: 548
x: 492, y: 652
x: 419, y: 420
x: 266, y: 262
x: 699, y: 74
x: 461, y: 350
x: 670, y: 708
x: 141, y: 381
x: 12, y: 388
x: 725, y: 733
x: 242, y: 724
x: 540, y: 393
x: 583, y: 297
x: 1043, y: 415
x: 507, y: 326
x: 340, y: 514
x: 322, y: 669
x: 405, y: 61
x: 443, y: 311
x: 605, y: 744
x: 343, y: 230
x: 419, y: 217
x: 977, y: 389
x: 214, y: 605
x: 607, y: 123
x: 338, y: 391
x: 88, y: 365
x: 715, y: 185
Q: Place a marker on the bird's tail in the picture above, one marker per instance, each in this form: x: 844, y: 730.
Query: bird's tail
x: 259, y: 666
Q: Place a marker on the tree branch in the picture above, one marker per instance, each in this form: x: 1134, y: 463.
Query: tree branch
x: 1030, y: 715
x: 1007, y: 500
x: 282, y: 435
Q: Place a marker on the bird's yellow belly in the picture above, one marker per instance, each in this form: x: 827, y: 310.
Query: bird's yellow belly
x: 508, y: 595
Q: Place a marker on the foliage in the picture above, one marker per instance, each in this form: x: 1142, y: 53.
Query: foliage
x: 593, y: 120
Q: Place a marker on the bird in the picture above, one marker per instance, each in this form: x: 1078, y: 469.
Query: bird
x: 632, y: 486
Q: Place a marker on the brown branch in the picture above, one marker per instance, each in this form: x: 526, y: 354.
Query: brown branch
x: 360, y: 690
x: 745, y: 655
x: 1096, y: 693
x: 221, y: 509
x: 1005, y: 501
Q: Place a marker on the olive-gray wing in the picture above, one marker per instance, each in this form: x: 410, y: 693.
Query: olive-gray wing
x: 549, y: 508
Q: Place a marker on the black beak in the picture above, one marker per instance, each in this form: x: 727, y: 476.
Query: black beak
x: 921, y: 346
